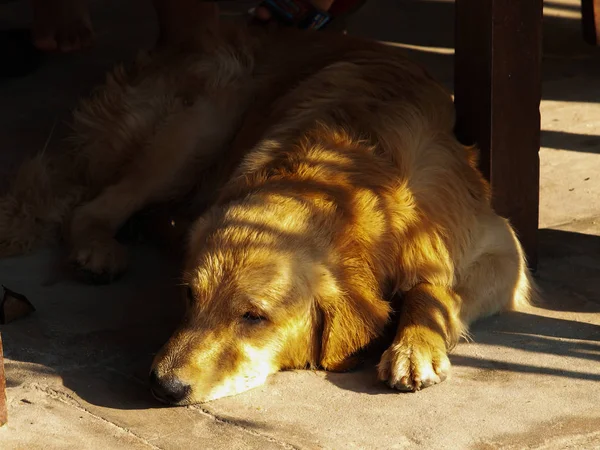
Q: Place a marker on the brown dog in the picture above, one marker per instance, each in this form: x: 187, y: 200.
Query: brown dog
x: 336, y: 182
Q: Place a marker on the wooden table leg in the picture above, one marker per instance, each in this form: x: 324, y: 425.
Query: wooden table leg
x: 590, y: 21
x: 3, y: 411
x: 497, y: 95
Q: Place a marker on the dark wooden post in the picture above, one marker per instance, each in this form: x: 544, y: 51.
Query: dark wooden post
x: 3, y: 410
x: 590, y: 21
x: 497, y: 95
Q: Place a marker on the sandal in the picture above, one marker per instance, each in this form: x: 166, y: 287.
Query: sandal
x: 304, y: 15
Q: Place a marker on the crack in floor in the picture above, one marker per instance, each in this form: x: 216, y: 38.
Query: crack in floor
x: 67, y: 399
x: 225, y: 421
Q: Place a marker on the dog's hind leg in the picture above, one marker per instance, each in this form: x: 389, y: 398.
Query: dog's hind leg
x: 498, y: 278
x: 167, y: 168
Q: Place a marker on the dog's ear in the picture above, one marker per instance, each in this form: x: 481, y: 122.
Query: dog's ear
x: 197, y: 232
x: 351, y: 319
x: 183, y: 22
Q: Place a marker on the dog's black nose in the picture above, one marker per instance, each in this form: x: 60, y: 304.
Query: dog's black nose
x: 168, y: 389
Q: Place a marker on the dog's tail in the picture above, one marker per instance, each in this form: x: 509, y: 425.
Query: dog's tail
x: 39, y: 199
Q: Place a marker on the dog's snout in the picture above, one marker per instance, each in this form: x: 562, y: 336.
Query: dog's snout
x: 168, y: 389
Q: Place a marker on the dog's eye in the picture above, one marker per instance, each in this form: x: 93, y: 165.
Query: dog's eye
x: 253, y: 318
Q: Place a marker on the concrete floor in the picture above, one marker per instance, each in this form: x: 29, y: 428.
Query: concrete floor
x: 77, y: 367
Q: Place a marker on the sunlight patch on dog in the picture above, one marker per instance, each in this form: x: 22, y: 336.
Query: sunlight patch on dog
x: 273, y: 214
x: 257, y: 366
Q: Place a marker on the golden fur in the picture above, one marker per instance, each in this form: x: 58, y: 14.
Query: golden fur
x: 335, y: 184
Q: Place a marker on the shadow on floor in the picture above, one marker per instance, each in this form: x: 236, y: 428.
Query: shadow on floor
x: 569, y: 269
x: 570, y: 141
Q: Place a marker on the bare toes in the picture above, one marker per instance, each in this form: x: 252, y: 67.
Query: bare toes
x: 72, y: 38
x: 62, y: 25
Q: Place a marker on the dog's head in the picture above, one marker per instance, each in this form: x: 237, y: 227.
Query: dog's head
x: 259, y: 300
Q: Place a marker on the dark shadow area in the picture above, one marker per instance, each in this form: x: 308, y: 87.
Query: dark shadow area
x: 99, y: 339
x: 37, y: 106
x: 570, y: 141
x: 569, y: 269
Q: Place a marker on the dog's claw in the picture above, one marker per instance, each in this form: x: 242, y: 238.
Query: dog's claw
x: 412, y: 365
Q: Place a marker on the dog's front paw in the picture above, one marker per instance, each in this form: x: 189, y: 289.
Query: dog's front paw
x: 417, y: 359
x: 100, y: 261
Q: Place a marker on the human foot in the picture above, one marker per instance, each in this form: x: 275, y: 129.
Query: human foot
x: 61, y: 25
